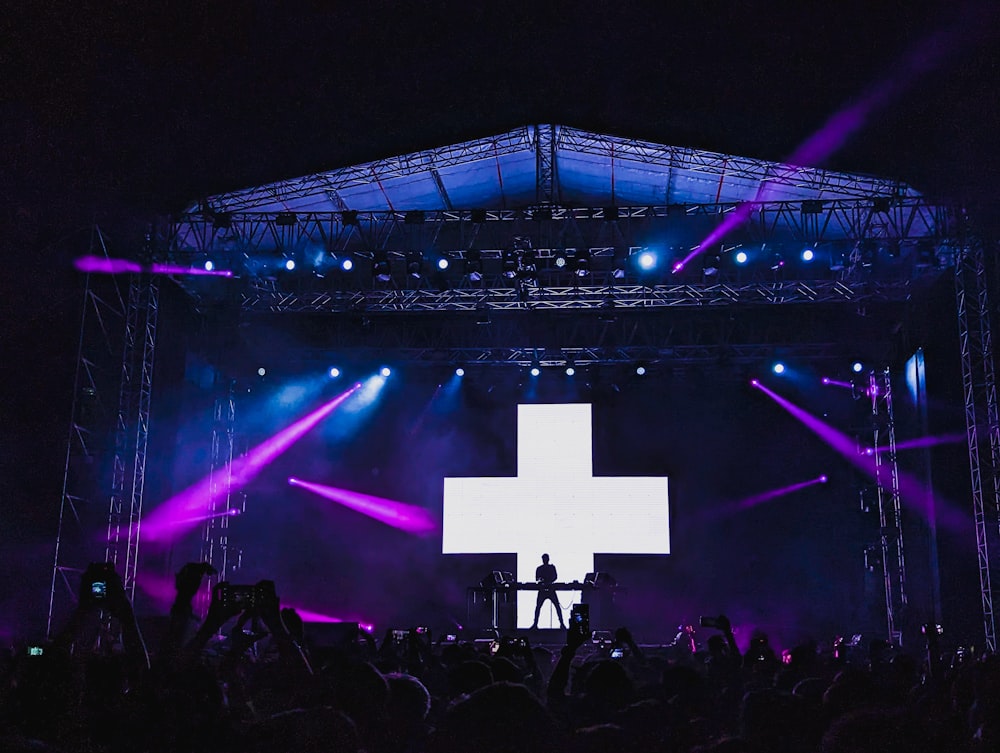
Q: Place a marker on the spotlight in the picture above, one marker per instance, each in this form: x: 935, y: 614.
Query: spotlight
x: 570, y: 371
x: 640, y: 370
x: 261, y: 371
x: 678, y: 267
x: 582, y: 262
x: 460, y: 371
x: 347, y: 264
x: 857, y: 367
x: 755, y: 382
x: 535, y: 371
x: 741, y: 257
x: 808, y: 255
x: 778, y: 368
x: 209, y: 265
x: 334, y: 372
x: 823, y: 479
x: 381, y: 270
x: 289, y: 264
x: 414, y: 262
x: 560, y: 260
x: 646, y: 260
x: 386, y: 371
x: 825, y: 380
x: 442, y: 263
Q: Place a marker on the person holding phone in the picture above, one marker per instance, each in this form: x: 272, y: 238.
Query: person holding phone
x: 545, y: 575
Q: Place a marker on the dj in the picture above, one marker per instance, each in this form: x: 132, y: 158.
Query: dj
x: 545, y: 574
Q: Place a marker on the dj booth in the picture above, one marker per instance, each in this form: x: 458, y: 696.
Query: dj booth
x: 493, y: 603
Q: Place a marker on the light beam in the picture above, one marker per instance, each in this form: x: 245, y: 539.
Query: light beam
x: 405, y: 517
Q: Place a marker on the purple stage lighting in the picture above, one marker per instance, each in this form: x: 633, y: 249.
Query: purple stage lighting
x: 405, y: 517
x: 106, y: 266
x: 912, y: 491
x: 921, y: 442
x: 757, y: 499
x: 680, y: 265
x: 180, y: 513
x: 838, y: 383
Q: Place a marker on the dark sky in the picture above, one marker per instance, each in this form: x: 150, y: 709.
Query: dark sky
x: 116, y: 111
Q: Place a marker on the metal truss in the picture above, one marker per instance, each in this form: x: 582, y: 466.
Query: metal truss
x: 81, y: 509
x: 216, y: 548
x: 757, y: 174
x: 888, y: 497
x: 249, y: 234
x: 266, y: 295
x: 545, y: 164
x: 981, y: 420
x: 724, y: 165
x: 332, y: 182
x: 132, y: 433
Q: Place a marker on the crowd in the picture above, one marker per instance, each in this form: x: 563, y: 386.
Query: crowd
x: 265, y: 688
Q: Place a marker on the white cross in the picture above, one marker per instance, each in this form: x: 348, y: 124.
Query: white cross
x: 555, y: 504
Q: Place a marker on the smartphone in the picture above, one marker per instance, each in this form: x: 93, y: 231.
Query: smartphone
x: 617, y: 653
x: 36, y: 651
x: 579, y: 619
x: 99, y: 589
x: 237, y: 596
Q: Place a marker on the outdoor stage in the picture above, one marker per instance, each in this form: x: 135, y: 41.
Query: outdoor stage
x: 586, y: 368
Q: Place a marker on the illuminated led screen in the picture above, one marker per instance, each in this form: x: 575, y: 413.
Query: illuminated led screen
x: 555, y: 505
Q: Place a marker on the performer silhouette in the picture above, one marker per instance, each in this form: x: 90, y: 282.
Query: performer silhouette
x: 545, y: 574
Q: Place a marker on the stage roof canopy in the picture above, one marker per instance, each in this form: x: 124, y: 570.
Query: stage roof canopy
x: 551, y: 164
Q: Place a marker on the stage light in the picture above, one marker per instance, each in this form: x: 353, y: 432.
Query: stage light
x: 347, y: 264
x: 741, y: 257
x: 535, y: 371
x: 778, y: 368
x: 581, y: 262
x: 261, y: 371
x: 209, y: 265
x: 857, y: 367
x: 334, y: 372
x: 290, y: 264
x: 474, y: 264
x: 460, y: 371
x: 560, y: 261
x: 381, y: 270
x: 646, y: 260
x: 414, y: 264
x: 825, y: 380
x: 442, y: 263
x: 808, y: 255
x: 640, y: 370
x: 570, y: 371
x: 385, y: 371
x: 823, y: 479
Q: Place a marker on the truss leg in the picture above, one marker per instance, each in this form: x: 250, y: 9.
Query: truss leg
x: 981, y: 422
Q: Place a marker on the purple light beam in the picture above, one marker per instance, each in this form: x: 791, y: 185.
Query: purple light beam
x: 409, y: 518
x: 748, y: 502
x: 107, y: 266
x: 923, y: 57
x: 181, y: 512
x: 911, y: 490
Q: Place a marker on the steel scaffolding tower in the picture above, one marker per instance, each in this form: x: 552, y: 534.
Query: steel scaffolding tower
x: 128, y: 477
x: 888, y: 497
x: 216, y: 548
x: 81, y: 514
x: 981, y: 419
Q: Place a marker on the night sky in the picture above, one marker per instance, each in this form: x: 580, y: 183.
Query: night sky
x: 114, y: 112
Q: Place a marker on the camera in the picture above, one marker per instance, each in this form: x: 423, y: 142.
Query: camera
x: 236, y: 596
x: 709, y: 622
x: 579, y: 619
x: 99, y: 589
